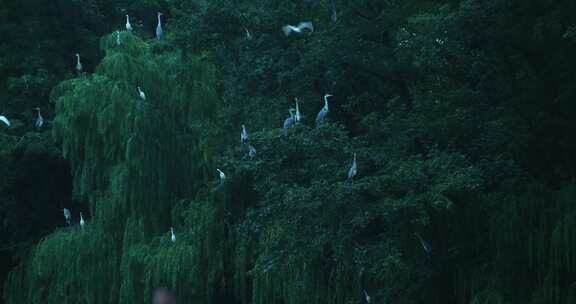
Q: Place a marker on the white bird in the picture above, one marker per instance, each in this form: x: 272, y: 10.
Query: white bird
x: 141, y: 93
x: 82, y: 222
x: 307, y: 25
x: 128, y: 25
x: 39, y: 119
x: 251, y: 151
x: 118, y: 41
x: 289, y: 122
x: 78, y: 64
x: 366, y: 296
x: 297, y: 116
x: 248, y: 35
x: 172, y: 235
x: 353, y: 169
x: 423, y: 243
x: 5, y: 120
x: 67, y: 215
x: 243, y: 135
x: 221, y: 174
x: 324, y: 112
x: 159, y: 32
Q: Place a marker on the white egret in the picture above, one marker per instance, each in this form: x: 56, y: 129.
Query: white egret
x: 244, y: 135
x: 353, y: 169
x: 159, y: 32
x: 5, y: 120
x: 141, y: 93
x: 78, y: 64
x: 118, y: 41
x: 297, y: 116
x: 299, y: 29
x: 221, y: 174
x: 172, y: 235
x: 39, y: 119
x: 82, y: 222
x: 366, y: 296
x: 248, y: 35
x: 128, y: 25
x: 67, y: 215
x: 423, y: 243
x: 251, y: 151
x: 324, y: 112
x: 289, y: 122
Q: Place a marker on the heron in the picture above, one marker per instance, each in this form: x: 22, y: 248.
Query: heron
x: 289, y: 122
x: 82, y: 222
x: 67, y: 215
x: 39, y: 119
x: 424, y: 244
x: 297, y: 116
x: 299, y: 29
x: 251, y: 151
x: 248, y: 35
x: 221, y: 174
x: 118, y: 41
x: 141, y: 93
x: 159, y: 31
x: 5, y: 120
x: 353, y: 169
x: 366, y: 296
x: 172, y: 235
x: 244, y: 135
x: 324, y: 112
x: 128, y: 25
x: 78, y: 64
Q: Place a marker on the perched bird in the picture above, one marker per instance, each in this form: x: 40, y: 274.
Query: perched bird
x: 288, y: 29
x: 289, y: 122
x: 128, y: 25
x: 141, y: 93
x: 67, y: 215
x: 248, y: 35
x: 78, y: 64
x: 334, y: 17
x: 5, y: 120
x: 172, y: 235
x: 353, y: 169
x: 118, y: 41
x: 82, y: 222
x: 366, y: 296
x: 322, y: 114
x: 251, y: 151
x: 39, y: 119
x: 243, y: 135
x: 221, y: 174
x: 423, y: 243
x: 297, y: 117
x: 159, y: 32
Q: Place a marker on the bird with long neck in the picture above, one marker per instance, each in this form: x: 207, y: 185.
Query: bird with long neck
x: 324, y: 112
x: 39, y: 119
x: 82, y: 222
x: 297, y: 116
x: 172, y: 235
x: 159, y: 32
x: 78, y: 64
x: 289, y: 122
x: 141, y: 93
x: 221, y: 174
x: 244, y: 135
x: 128, y: 25
x: 67, y: 215
x: 353, y: 169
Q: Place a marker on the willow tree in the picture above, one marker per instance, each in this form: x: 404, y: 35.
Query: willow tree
x: 133, y: 160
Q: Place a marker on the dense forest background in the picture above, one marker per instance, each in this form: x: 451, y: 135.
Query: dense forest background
x: 460, y: 113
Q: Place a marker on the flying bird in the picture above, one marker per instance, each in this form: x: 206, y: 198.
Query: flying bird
x: 297, y: 116
x: 128, y: 25
x: 172, y: 235
x: 5, y: 120
x: 141, y: 93
x: 39, y: 119
x: 159, y: 32
x: 244, y: 135
x: 251, y: 151
x: 78, y: 64
x: 289, y: 122
x: 324, y: 112
x: 299, y: 29
x: 353, y: 169
x: 221, y: 174
x: 67, y: 215
x: 82, y: 222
